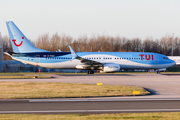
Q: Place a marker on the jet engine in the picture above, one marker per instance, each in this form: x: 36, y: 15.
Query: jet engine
x: 83, y: 66
x: 111, y: 67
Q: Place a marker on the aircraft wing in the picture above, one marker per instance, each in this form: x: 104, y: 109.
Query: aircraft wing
x: 85, y: 61
x: 89, y: 62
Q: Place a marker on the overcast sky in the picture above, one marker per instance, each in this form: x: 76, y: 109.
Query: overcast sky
x: 126, y: 18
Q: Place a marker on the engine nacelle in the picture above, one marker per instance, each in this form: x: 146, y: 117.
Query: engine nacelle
x: 82, y: 66
x: 111, y: 67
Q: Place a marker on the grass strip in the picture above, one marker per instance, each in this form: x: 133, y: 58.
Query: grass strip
x: 23, y: 77
x: 24, y: 90
x: 121, y: 116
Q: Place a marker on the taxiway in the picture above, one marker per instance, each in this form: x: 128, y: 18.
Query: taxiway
x: 55, y: 106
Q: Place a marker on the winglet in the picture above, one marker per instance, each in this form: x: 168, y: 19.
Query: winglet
x: 73, y: 53
x: 59, y: 50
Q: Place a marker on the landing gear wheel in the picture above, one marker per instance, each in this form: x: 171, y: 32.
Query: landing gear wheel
x: 90, y: 72
x: 158, y: 72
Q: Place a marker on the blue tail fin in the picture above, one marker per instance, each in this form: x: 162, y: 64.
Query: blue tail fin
x: 19, y: 42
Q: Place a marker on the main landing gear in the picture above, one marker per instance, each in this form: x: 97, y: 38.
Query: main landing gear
x: 158, y: 72
x: 90, y: 72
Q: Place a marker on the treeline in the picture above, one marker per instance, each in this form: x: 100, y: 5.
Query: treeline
x: 104, y: 43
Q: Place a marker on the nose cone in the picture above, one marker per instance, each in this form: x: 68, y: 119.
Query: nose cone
x: 172, y: 62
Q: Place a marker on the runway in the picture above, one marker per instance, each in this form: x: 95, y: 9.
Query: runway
x: 60, y: 106
x: 164, y: 88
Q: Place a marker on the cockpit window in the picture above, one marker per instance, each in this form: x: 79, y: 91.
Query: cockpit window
x: 165, y: 58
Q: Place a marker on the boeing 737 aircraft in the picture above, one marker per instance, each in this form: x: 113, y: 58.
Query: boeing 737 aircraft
x: 25, y: 52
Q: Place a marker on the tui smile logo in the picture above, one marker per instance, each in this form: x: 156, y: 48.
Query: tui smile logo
x: 18, y: 45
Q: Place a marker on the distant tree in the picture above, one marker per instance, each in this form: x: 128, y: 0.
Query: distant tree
x: 6, y: 47
x: 55, y: 42
x: 6, y: 44
x: 148, y: 45
x: 43, y: 42
x: 176, y: 46
x: 136, y: 45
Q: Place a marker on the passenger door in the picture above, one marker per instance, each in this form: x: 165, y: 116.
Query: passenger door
x: 156, y: 58
x: 37, y: 58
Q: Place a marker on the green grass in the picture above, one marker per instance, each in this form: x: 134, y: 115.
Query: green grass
x: 23, y: 90
x: 122, y: 116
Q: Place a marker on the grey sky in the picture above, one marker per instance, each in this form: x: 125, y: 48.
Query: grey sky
x: 128, y: 18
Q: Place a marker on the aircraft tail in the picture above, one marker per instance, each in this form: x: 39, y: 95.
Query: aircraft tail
x: 19, y: 42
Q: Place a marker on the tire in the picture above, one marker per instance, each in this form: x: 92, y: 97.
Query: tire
x: 91, y: 72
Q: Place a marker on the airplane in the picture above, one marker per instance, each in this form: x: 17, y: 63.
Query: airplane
x: 175, y: 58
x: 106, y: 62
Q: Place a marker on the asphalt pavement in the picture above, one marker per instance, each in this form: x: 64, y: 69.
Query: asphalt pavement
x: 55, y: 106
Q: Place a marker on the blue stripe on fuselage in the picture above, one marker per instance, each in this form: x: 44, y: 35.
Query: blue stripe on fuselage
x: 47, y: 54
